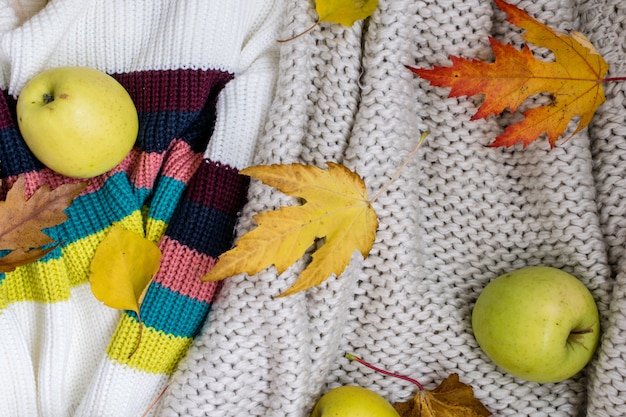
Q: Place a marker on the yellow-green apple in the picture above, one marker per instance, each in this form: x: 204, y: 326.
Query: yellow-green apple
x: 353, y: 401
x: 77, y: 121
x: 537, y: 323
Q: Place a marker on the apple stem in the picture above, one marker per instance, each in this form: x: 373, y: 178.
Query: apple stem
x: 576, y: 335
x: 352, y: 357
x: 48, y: 98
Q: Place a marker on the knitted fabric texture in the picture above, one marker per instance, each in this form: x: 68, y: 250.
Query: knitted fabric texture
x: 461, y: 214
x: 62, y: 352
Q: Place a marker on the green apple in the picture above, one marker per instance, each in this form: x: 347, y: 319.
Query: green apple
x: 353, y: 401
x: 537, y: 323
x: 77, y: 121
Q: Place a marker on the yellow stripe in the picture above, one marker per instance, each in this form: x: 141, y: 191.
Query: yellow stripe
x: 78, y: 255
x: 155, y: 229
x: 40, y: 281
x: 156, y: 353
x: 134, y: 222
x: 50, y: 281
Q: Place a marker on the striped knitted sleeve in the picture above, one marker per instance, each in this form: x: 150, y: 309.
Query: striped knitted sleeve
x: 190, y: 211
x: 165, y: 189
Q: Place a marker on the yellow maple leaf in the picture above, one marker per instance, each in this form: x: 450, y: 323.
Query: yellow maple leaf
x: 344, y: 12
x: 336, y: 209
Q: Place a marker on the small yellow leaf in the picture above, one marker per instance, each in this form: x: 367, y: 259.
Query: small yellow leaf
x: 122, y: 268
x: 344, y: 12
x: 336, y: 210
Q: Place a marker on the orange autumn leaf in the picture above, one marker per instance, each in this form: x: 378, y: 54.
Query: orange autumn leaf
x: 574, y: 81
x: 336, y: 209
x: 24, y: 220
x: 451, y: 398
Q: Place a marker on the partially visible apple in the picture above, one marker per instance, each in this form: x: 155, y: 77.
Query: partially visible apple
x: 353, y: 401
x: 537, y: 323
x: 77, y: 121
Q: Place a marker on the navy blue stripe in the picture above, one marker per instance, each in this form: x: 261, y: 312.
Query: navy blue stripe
x: 158, y: 129
x: 15, y: 157
x: 204, y: 229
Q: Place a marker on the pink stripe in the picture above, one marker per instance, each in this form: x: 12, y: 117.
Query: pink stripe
x: 181, y: 161
x: 182, y: 268
x: 178, y: 162
x: 135, y: 160
x: 35, y: 179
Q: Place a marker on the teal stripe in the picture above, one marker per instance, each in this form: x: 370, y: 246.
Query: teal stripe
x: 184, y: 317
x: 167, y: 191
x: 2, y: 274
x: 91, y: 213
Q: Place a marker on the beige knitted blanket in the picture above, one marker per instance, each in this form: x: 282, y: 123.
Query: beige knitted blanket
x: 461, y: 214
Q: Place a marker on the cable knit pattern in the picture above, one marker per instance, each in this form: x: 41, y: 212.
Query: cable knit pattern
x: 460, y: 215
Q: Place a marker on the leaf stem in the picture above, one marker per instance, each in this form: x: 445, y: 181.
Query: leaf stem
x: 310, y: 28
x: 606, y: 80
x: 352, y: 357
x: 140, y: 335
x: 155, y: 401
x: 401, y: 168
